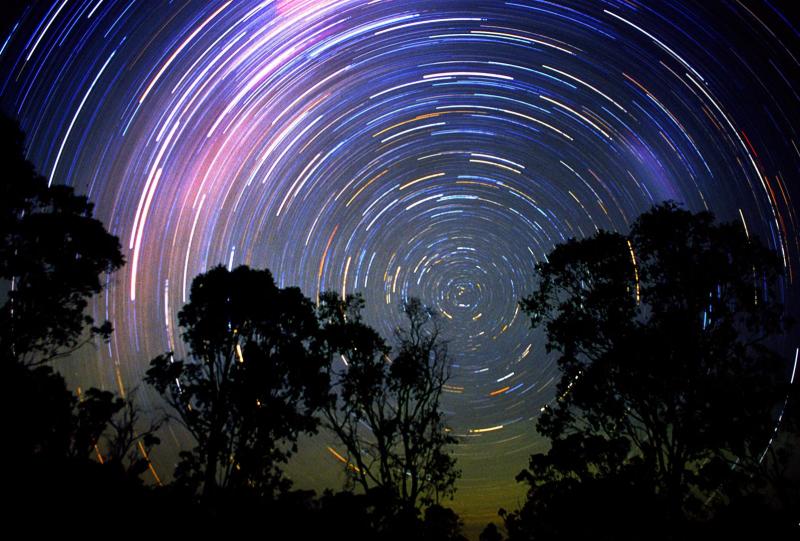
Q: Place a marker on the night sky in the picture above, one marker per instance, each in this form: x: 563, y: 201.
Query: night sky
x: 399, y: 148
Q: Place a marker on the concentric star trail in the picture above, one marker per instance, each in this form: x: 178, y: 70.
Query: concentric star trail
x: 438, y: 149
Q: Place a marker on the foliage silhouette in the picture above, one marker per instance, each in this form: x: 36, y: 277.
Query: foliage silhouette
x: 251, y: 385
x: 385, y: 412
x: 669, y: 386
x: 125, y: 444
x: 442, y: 524
x: 490, y: 533
x: 52, y: 254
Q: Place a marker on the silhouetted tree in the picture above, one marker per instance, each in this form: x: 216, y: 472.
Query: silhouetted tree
x: 442, y: 524
x: 127, y: 441
x: 47, y: 421
x: 58, y: 452
x: 251, y: 383
x: 490, y: 533
x: 668, y: 387
x: 52, y: 255
x: 386, y: 410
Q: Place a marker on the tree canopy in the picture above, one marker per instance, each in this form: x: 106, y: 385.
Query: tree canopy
x: 63, y: 446
x: 53, y: 255
x: 250, y: 385
x: 670, y: 382
x: 386, y: 410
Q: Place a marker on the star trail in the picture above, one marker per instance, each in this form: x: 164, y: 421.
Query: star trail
x: 437, y: 149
